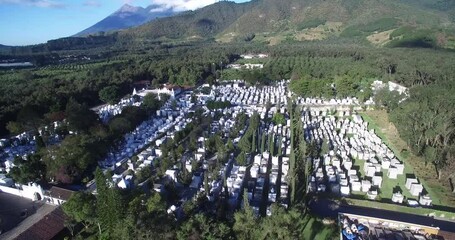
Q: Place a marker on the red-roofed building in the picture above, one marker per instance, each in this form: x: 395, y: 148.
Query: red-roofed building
x: 47, y: 228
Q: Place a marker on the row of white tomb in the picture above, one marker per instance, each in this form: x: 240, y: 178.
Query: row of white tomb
x: 277, y: 180
x: 348, y: 141
x: 167, y: 121
x: 251, y: 95
x: 243, y: 95
x: 108, y: 111
x: 25, y: 144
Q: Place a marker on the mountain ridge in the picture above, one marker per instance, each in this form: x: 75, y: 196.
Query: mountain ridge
x: 380, y: 23
x: 128, y: 16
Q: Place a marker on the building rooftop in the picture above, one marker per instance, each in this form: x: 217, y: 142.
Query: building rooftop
x: 46, y: 228
x: 60, y: 193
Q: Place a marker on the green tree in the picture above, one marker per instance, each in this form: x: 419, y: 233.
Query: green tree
x: 263, y: 140
x: 143, y: 174
x: 14, y: 127
x: 180, y: 150
x: 30, y: 170
x: 245, y: 144
x: 72, y: 158
x: 241, y: 159
x: 29, y: 118
x: 80, y: 117
x: 245, y: 222
x: 110, y: 94
x: 230, y: 146
x: 119, y: 126
x: 387, y: 99
x: 278, y: 119
x: 346, y: 87
x: 155, y: 204
x: 81, y: 208
x: 151, y: 102
x: 202, y: 227
x: 283, y: 224
x: 108, y: 204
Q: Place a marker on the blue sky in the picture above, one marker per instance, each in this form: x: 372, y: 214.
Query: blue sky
x: 25, y: 22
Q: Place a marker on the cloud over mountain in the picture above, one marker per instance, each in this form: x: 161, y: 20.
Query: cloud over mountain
x: 36, y: 3
x: 181, y: 5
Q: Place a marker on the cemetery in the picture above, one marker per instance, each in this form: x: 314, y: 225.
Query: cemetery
x: 353, y: 161
x: 267, y: 178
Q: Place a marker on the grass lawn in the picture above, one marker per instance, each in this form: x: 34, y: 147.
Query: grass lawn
x: 389, y: 186
x: 315, y: 229
x: 402, y: 208
x: 440, y: 194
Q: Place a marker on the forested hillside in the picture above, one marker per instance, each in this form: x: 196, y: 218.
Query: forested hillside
x: 205, y: 22
x: 379, y: 23
x: 382, y: 23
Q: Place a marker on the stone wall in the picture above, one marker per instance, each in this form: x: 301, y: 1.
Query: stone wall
x: 31, y: 191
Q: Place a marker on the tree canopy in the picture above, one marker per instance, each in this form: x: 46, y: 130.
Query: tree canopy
x: 110, y: 94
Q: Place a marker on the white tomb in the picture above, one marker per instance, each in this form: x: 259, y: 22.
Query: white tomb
x: 347, y: 164
x: 371, y: 171
x: 397, y: 198
x: 345, y: 190
x: 356, y: 186
x: 416, y: 189
x: 385, y: 164
x: 410, y: 181
x: 400, y: 168
x: 352, y: 172
x: 366, y: 185
x: 392, y: 173
x: 377, y: 181
x: 425, y: 200
x: 372, y: 194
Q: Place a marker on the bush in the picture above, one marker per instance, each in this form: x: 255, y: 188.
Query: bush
x: 311, y: 24
x: 110, y: 94
x: 212, y: 105
x: 414, y: 39
x: 380, y: 25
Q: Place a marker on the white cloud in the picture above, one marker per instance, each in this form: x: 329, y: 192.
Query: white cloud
x: 183, y: 5
x: 130, y: 2
x: 35, y: 3
x: 92, y: 3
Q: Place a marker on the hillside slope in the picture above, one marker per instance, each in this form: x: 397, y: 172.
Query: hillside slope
x: 204, y: 22
x: 307, y: 20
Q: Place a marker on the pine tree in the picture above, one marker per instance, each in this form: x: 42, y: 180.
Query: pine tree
x: 253, y: 143
x: 108, y: 205
x: 102, y: 206
x: 263, y: 140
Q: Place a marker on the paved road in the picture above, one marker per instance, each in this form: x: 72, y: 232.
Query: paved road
x: 15, y: 209
x: 329, y: 208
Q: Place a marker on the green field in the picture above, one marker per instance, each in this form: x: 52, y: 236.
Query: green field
x: 403, y: 209
x: 389, y: 186
x: 315, y: 229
